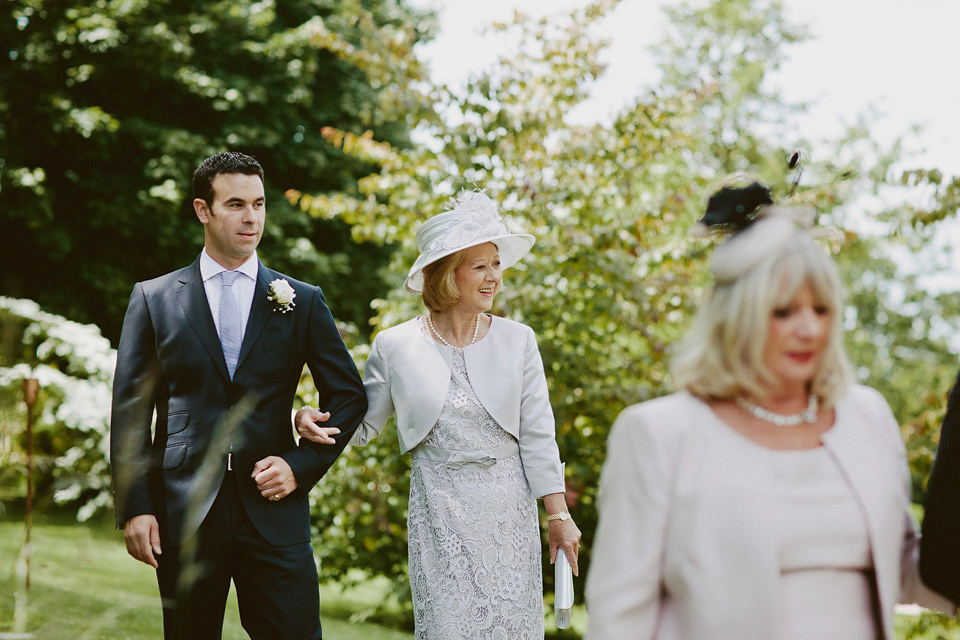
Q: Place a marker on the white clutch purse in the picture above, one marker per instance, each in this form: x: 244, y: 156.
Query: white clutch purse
x: 562, y: 590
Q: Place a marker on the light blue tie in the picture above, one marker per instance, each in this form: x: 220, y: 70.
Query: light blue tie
x: 229, y: 321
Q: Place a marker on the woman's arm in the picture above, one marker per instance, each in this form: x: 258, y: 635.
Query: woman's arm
x: 538, y: 436
x: 624, y: 585
x: 912, y: 588
x: 541, y: 456
x: 376, y: 385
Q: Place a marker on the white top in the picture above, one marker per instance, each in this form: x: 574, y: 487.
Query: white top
x: 824, y: 551
x: 821, y: 525
x: 817, y: 519
x: 243, y: 287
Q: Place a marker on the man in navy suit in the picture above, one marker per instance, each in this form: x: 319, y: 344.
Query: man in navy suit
x: 216, y: 488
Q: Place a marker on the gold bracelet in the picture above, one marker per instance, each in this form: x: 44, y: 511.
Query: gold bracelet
x: 562, y: 516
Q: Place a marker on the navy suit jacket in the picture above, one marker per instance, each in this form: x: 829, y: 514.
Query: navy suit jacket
x: 170, y: 362
x: 939, y: 548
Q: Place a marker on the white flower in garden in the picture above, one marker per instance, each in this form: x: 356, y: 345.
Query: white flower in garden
x: 74, y: 365
x: 282, y: 295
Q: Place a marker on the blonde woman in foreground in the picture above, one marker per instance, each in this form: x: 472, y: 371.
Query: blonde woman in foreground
x: 768, y: 498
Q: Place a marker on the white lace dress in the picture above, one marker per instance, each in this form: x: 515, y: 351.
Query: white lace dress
x: 474, y: 539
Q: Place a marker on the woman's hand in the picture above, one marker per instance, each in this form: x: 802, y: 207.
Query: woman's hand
x: 306, y: 422
x: 564, y: 534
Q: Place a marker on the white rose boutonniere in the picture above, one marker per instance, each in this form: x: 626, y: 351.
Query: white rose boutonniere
x: 281, y: 294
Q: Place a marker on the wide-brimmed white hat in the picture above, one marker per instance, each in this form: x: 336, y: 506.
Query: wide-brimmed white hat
x: 472, y: 220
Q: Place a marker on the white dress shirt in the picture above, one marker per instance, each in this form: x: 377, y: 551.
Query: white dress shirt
x: 242, y: 288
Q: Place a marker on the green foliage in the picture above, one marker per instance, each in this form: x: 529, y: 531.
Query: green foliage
x: 613, y: 280
x: 895, y: 342
x: 945, y: 198
x: 724, y: 52
x: 321, y: 94
x: 84, y: 585
x: 928, y: 625
x: 360, y: 512
x: 107, y: 107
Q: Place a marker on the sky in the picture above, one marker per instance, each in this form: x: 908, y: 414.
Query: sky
x: 896, y: 56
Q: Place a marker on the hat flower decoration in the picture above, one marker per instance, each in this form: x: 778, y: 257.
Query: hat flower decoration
x: 471, y: 219
x: 754, y: 225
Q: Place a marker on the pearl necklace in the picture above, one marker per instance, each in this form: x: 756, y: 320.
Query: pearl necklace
x: 808, y: 415
x: 476, y: 331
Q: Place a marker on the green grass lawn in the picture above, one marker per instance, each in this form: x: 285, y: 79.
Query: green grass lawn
x: 84, y: 586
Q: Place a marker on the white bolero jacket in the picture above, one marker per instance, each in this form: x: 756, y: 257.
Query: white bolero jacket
x: 407, y: 373
x: 684, y: 549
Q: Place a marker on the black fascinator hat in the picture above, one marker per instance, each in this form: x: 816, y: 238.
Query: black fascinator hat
x: 753, y: 226
x: 735, y: 208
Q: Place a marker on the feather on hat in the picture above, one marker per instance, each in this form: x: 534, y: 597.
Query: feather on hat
x: 757, y: 228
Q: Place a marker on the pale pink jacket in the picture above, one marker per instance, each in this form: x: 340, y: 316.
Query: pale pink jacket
x: 684, y: 549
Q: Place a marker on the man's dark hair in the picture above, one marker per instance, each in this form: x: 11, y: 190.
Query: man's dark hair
x: 226, y: 162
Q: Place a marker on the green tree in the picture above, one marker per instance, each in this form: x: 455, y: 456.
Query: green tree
x: 903, y: 331
x: 896, y: 345
x: 606, y: 288
x: 614, y: 278
x: 725, y: 51
x: 107, y: 107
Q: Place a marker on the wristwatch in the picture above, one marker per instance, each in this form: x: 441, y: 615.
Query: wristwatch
x: 562, y: 516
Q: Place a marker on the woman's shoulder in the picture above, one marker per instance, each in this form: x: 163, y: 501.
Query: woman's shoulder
x: 510, y: 334
x: 400, y: 334
x: 656, y: 429
x: 508, y: 326
x: 866, y: 409
x: 863, y: 398
x: 399, y: 330
x: 671, y: 414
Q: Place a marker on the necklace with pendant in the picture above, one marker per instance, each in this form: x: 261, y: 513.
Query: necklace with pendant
x: 808, y: 415
x: 476, y: 330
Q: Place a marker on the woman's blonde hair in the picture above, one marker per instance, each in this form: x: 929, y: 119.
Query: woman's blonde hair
x: 440, y: 290
x: 722, y: 354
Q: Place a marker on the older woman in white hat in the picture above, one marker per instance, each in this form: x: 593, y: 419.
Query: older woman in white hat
x: 473, y: 410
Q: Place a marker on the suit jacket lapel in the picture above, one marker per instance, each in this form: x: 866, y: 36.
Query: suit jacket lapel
x: 193, y: 300
x: 260, y: 312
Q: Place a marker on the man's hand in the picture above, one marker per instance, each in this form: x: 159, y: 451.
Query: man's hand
x: 274, y: 478
x: 307, y: 420
x: 142, y: 535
